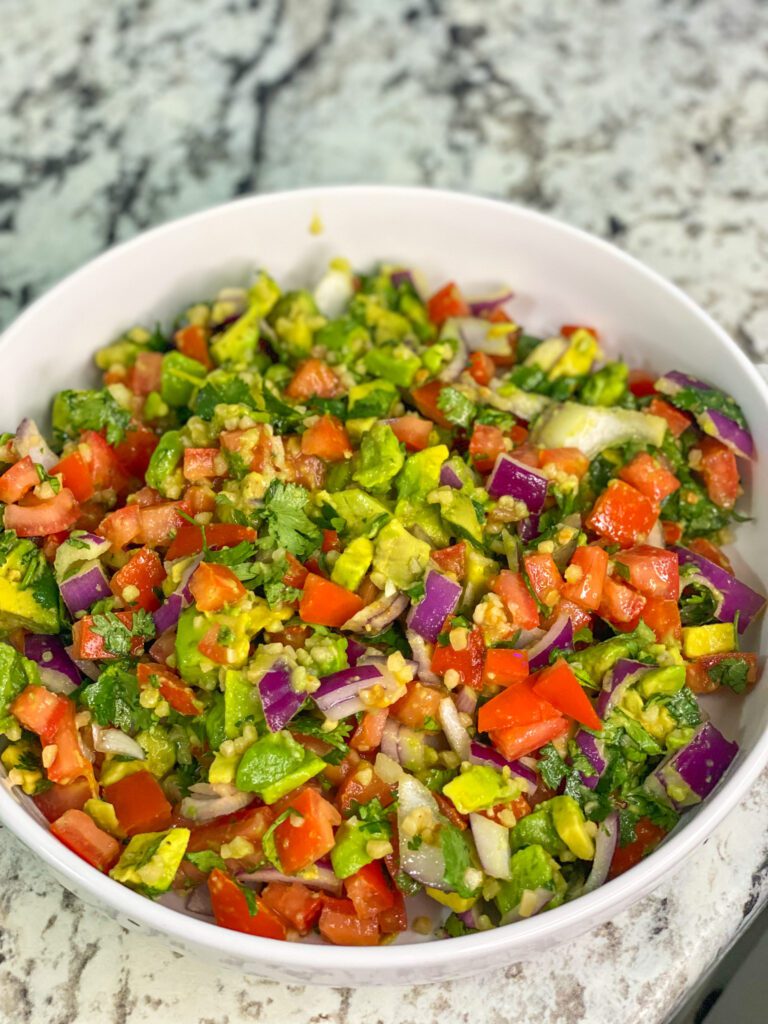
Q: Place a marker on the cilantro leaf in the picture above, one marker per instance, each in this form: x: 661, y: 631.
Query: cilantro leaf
x: 682, y: 705
x: 117, y: 636
x: 250, y: 899
x: 232, y: 391
x: 552, y: 768
x: 456, y: 407
x: 76, y: 411
x: 308, y: 725
x: 457, y: 859
x: 206, y: 861
x: 698, y: 402
x: 732, y: 672
x: 283, y: 417
x: 113, y: 699
x: 268, y: 844
x: 287, y: 522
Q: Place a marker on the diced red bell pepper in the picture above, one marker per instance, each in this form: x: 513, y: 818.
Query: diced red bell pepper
x: 518, y: 740
x: 189, y: 538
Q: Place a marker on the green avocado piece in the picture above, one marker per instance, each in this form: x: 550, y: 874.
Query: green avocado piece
x: 399, y: 558
x: 150, y: 861
x: 374, y: 398
x: 180, y: 376
x: 537, y: 829
x: 570, y: 823
x: 295, y: 318
x: 547, y: 353
x: 193, y: 666
x: 159, y: 748
x: 380, y: 459
x: 164, y: 463
x: 350, y: 853
x: 419, y: 477
x: 345, y: 336
x: 353, y: 563
x: 460, y: 514
x: 275, y: 765
x: 237, y: 344
x: 396, y: 363
x: 479, y: 788
x: 666, y: 680
x: 578, y: 357
x: 607, y: 386
x: 363, y: 515
x: 241, y: 703
x: 29, y: 596
x: 530, y: 869
x: 479, y: 572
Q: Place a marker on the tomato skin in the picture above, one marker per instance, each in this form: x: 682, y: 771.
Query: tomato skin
x: 180, y: 696
x: 395, y: 918
x: 412, y: 431
x: 324, y: 603
x: 589, y: 566
x: 42, y: 518
x: 663, y: 617
x: 446, y: 303
x: 159, y: 523
x: 653, y: 571
x: 485, y: 446
x: 251, y: 823
x: 369, y: 891
x: 331, y: 541
x: 345, y: 928
x: 558, y: 684
x: 230, y: 909
x: 648, y: 838
x: 622, y: 514
x: 313, y: 377
x: 503, y: 667
x: 145, y: 374
x: 544, y: 577
x: 425, y: 399
x: 18, y: 480
x: 720, y: 472
x: 705, y: 547
x: 192, y: 341
x: 301, y: 844
x: 75, y: 475
x: 203, y: 464
x: 367, y: 736
x: 53, y: 802
x: 517, y: 705
x: 189, y: 538
x: 419, y: 703
x: 89, y: 645
x: 519, y: 740
x: 40, y: 711
x: 121, y: 526
x: 567, y: 460
x: 140, y: 804
x: 677, y: 421
x: 649, y: 477
x: 70, y: 762
x: 452, y: 559
x: 642, y: 383
x: 214, y: 586
x: 135, y: 450
x: 619, y: 603
x: 467, y: 663
x: 517, y: 599
x: 579, y: 616
x: 481, y: 368
x: 328, y: 439
x: 80, y: 833
x: 294, y: 903
x: 144, y: 571
x: 101, y: 460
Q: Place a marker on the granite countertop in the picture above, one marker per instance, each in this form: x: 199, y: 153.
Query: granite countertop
x: 640, y: 120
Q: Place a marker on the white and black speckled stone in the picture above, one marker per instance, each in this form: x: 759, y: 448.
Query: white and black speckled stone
x: 640, y: 120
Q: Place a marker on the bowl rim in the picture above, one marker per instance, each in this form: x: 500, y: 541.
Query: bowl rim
x: 407, y: 957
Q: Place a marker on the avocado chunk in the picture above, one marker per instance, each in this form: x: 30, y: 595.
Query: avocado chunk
x: 400, y: 558
x: 193, y: 666
x: 396, y: 363
x: 350, y: 852
x: 150, y: 861
x: 29, y: 597
x: 237, y: 344
x: 479, y: 788
x: 380, y: 459
x: 353, y: 563
x: 530, y: 869
x: 538, y: 829
x: 295, y: 318
x: 577, y: 360
x: 363, y: 515
x: 571, y: 826
x: 375, y: 398
x: 274, y: 765
x: 666, y: 680
x: 241, y: 703
x: 460, y: 513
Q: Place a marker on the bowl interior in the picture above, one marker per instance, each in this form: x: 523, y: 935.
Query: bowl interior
x: 559, y: 275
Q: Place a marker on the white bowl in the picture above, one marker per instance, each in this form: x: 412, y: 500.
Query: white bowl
x: 560, y: 275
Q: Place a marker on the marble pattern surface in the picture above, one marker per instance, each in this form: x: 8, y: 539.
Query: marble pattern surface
x: 645, y: 121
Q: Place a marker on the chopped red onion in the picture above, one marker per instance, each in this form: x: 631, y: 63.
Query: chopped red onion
x: 29, y: 441
x: 422, y: 656
x: 355, y: 651
x: 592, y: 749
x: 317, y: 877
x: 528, y: 528
x: 605, y: 847
x: 455, y: 732
x: 483, y: 306
x: 492, y: 845
x: 732, y: 596
x: 337, y: 695
x: 472, y: 917
x: 87, y: 668
x: 167, y: 615
x: 390, y: 740
x: 694, y: 770
x: 87, y: 586
x: 449, y: 477
x: 441, y: 596
x: 675, y: 381
x: 731, y: 433
x: 559, y: 636
x: 163, y: 647
x: 465, y: 699
x: 517, y: 480
x: 426, y: 864
x: 199, y: 901
x: 56, y: 667
x: 379, y: 614
x: 278, y: 698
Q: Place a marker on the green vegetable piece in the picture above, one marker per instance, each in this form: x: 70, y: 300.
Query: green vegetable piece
x: 399, y: 558
x: 150, y: 861
x: 237, y: 344
x: 595, y: 661
x: 16, y: 673
x: 571, y: 826
x: 29, y: 596
x: 457, y: 407
x: 327, y: 650
x: 76, y: 411
x: 479, y: 788
x: 398, y: 364
x: 345, y: 336
x: 480, y: 570
x: 460, y: 513
x: 592, y: 429
x: 547, y: 353
x: 113, y: 771
x: 214, y: 721
x: 577, y: 360
x: 538, y: 829
x: 374, y: 398
x: 666, y: 680
x: 285, y: 510
x: 380, y: 459
x: 275, y: 765
x: 350, y: 852
x: 154, y: 407
x: 179, y: 378
x: 606, y: 387
x: 295, y: 318
x: 421, y: 474
x: 241, y: 703
x: 362, y: 514
x: 25, y: 758
x: 160, y: 750
x: 353, y: 563
x: 113, y: 699
x: 163, y: 464
x: 193, y: 666
x: 103, y: 814
x: 531, y: 868
x: 508, y: 397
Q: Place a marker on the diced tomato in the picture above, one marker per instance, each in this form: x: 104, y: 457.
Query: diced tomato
x: 313, y: 377
x: 648, y: 836
x: 705, y: 547
x: 449, y: 811
x: 504, y: 666
x: 294, y: 903
x: 159, y: 523
x: 55, y: 800
x: 135, y: 450
x: 328, y: 439
x: 719, y: 472
x: 678, y: 422
x: 395, y: 918
x: 369, y: 891
x: 305, y: 837
x: 135, y: 583
x: 518, y: 704
x: 75, y: 475
x: 254, y: 446
x: 446, y: 303
x: 585, y: 577
x: 425, y: 399
x: 324, y: 603
x: 331, y: 541
x: 481, y: 368
x: 140, y: 803
x: 452, y: 559
x: 200, y: 498
x: 19, y: 480
x: 214, y: 586
x: 101, y: 459
x: 567, y: 460
x: 653, y: 571
x: 192, y: 341
x: 40, y: 711
x: 251, y: 823
x: 558, y: 684
x: 544, y: 577
x: 485, y: 446
x: 579, y: 616
x: 212, y: 649
x: 622, y: 514
x: 121, y: 526
x: 80, y: 833
x: 697, y: 672
x: 412, y: 431
x: 649, y: 477
x: 367, y: 736
x: 519, y: 740
x: 231, y: 909
x: 41, y: 518
x: 203, y: 464
x: 468, y: 663
x: 518, y: 600
x: 362, y: 788
x: 663, y: 617
x: 672, y: 531
x: 642, y: 383
x: 307, y: 470
x: 189, y: 538
x: 180, y: 696
x: 88, y: 645
x: 619, y: 603
x: 70, y: 762
x: 345, y: 928
x: 419, y: 703
x: 145, y: 374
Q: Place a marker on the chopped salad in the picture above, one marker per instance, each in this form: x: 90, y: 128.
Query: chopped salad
x: 326, y: 599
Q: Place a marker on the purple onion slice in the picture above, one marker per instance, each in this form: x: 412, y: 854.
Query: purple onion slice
x: 688, y: 776
x: 732, y: 596
x: 278, y: 698
x: 84, y: 588
x: 510, y: 478
x: 441, y: 596
x: 558, y: 636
